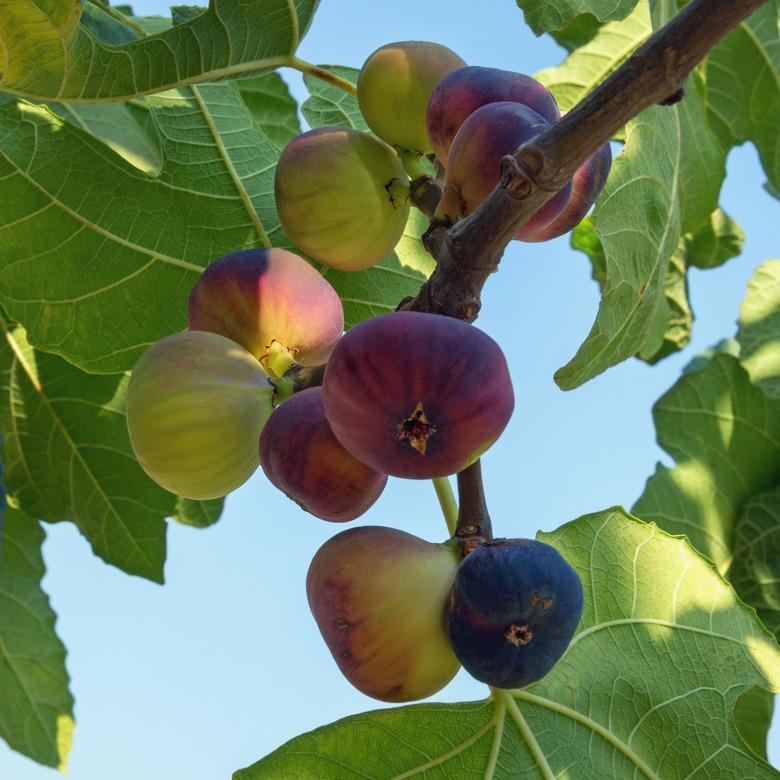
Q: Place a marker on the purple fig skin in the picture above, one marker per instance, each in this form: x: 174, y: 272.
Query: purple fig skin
x: 463, y: 91
x: 301, y: 456
x: 377, y: 595
x: 473, y: 168
x: 259, y: 296
x: 587, y: 184
x: 342, y: 197
x: 393, y: 88
x: 512, y: 611
x: 417, y: 395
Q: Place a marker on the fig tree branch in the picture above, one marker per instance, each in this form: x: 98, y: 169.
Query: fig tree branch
x: 655, y: 74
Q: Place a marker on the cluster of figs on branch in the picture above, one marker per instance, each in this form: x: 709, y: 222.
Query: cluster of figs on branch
x: 266, y: 376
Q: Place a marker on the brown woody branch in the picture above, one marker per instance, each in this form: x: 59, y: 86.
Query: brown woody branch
x: 655, y: 74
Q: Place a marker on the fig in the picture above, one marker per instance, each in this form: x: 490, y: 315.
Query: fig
x: 587, y: 184
x: 196, y: 406
x: 300, y: 455
x: 512, y: 611
x: 377, y: 595
x: 461, y: 92
x: 342, y: 196
x: 393, y: 89
x: 473, y: 167
x: 417, y: 395
x: 270, y: 301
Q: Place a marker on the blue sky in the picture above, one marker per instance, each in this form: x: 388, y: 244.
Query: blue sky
x: 224, y: 663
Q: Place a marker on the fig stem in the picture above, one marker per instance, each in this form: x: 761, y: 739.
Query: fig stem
x: 323, y: 74
x: 305, y: 376
x: 449, y: 506
x: 473, y: 526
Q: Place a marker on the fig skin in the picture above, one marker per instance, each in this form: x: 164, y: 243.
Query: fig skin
x: 512, y: 611
x: 393, y: 89
x: 473, y: 169
x: 417, y: 395
x: 300, y: 455
x: 461, y: 92
x: 377, y: 595
x: 342, y: 197
x: 196, y: 405
x: 263, y: 297
x: 587, y: 184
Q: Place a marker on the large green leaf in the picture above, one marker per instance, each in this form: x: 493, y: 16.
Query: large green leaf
x: 759, y: 329
x: 67, y: 456
x: 545, y: 16
x: 743, y: 88
x: 36, y: 706
x: 724, y: 435
x: 664, y: 643
x: 329, y: 105
x: 51, y: 51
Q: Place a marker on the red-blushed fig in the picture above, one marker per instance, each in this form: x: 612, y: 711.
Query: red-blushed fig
x: 461, y: 92
x: 300, y: 455
x: 378, y: 595
x: 196, y: 406
x: 473, y: 167
x: 587, y: 184
x: 271, y: 302
x: 393, y: 89
x: 342, y: 196
x: 512, y: 611
x: 417, y: 395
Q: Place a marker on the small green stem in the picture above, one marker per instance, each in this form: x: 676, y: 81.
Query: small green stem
x: 449, y: 506
x: 324, y: 75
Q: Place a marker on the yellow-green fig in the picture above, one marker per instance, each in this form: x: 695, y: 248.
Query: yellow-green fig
x: 378, y: 595
x: 342, y: 197
x: 196, y: 406
x: 393, y: 89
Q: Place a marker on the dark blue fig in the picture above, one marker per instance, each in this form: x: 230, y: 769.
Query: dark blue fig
x: 512, y: 611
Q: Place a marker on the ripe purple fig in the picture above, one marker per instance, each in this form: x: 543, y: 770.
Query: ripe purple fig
x: 271, y: 302
x: 342, y: 196
x: 377, y: 595
x: 587, y: 184
x: 393, y: 88
x: 461, y: 92
x: 512, y: 611
x: 301, y: 456
x: 473, y: 166
x: 417, y: 395
x: 196, y: 405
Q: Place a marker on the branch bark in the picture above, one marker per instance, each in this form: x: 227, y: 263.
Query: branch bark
x: 655, y: 74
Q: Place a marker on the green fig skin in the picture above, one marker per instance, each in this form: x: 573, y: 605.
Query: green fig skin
x: 342, y: 197
x: 260, y: 297
x: 300, y: 455
x: 378, y: 596
x: 196, y: 406
x: 393, y: 89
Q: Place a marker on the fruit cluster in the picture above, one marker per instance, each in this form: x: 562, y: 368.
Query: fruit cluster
x: 404, y: 394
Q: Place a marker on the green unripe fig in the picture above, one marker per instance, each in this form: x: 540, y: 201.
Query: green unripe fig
x: 393, y: 89
x: 196, y: 406
x: 378, y: 595
x: 341, y: 195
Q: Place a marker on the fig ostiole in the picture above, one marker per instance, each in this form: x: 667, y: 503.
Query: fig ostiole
x: 342, y: 197
x: 513, y: 609
x: 377, y: 595
x: 196, y: 406
x: 272, y: 302
x: 417, y: 395
x: 300, y: 455
x: 393, y: 89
